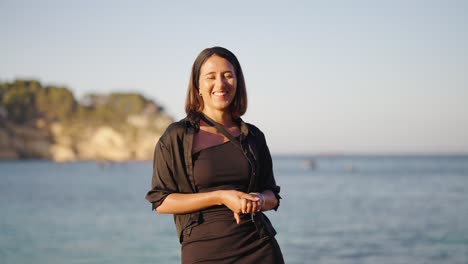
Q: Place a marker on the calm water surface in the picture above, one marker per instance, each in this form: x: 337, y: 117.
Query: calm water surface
x: 345, y: 210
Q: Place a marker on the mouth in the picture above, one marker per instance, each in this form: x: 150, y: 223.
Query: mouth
x: 222, y: 93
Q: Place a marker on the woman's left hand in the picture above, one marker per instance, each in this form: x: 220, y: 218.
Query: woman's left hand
x: 255, y: 206
x: 249, y: 206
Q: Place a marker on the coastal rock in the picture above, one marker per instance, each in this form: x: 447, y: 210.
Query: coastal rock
x: 56, y: 129
x: 60, y: 153
x: 27, y: 132
x: 106, y: 136
x: 37, y: 147
x: 144, y: 147
x: 23, y: 142
x: 4, y: 139
x: 105, y: 144
x: 8, y: 154
x: 48, y: 122
x: 61, y: 143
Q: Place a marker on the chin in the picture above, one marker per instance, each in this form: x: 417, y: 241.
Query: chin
x: 223, y: 105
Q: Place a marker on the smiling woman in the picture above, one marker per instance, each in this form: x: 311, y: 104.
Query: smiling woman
x: 214, y: 172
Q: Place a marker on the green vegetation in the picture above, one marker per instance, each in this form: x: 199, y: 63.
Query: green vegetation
x: 55, y: 103
x: 19, y: 100
x: 25, y: 101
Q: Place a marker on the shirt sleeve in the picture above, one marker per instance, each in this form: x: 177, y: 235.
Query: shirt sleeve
x: 267, y: 177
x: 163, y: 182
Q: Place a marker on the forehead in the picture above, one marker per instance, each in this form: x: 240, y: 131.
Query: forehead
x: 216, y: 63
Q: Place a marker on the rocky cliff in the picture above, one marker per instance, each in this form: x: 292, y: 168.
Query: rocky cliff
x: 47, y: 122
x: 62, y: 142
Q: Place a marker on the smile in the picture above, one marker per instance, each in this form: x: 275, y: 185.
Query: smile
x: 220, y: 93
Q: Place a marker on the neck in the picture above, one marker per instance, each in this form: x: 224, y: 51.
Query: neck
x: 222, y: 117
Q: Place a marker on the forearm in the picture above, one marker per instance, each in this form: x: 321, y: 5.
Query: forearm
x: 181, y: 203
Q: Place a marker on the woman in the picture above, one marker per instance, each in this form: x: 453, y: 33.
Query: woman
x: 214, y: 172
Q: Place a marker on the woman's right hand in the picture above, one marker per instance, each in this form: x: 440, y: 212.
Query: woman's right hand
x: 240, y: 202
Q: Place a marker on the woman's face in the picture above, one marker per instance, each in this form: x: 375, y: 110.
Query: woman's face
x: 217, y: 84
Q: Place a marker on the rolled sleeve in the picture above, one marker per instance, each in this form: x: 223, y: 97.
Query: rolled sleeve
x: 163, y: 182
x: 268, y: 181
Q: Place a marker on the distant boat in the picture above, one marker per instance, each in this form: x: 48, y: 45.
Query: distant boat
x: 309, y: 164
x: 350, y: 168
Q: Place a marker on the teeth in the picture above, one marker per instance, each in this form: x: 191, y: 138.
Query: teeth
x: 220, y: 93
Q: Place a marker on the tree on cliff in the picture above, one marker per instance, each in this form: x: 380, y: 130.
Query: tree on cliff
x: 19, y: 100
x: 112, y: 108
x: 55, y: 103
x: 26, y: 100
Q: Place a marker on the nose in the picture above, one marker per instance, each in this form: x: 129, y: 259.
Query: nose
x: 221, y: 81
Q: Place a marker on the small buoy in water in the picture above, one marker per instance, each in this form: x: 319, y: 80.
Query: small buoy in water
x: 309, y: 164
x: 350, y: 168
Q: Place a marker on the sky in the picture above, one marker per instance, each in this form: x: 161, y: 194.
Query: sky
x: 323, y: 77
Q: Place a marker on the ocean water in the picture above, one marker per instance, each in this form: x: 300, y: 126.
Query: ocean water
x: 345, y: 209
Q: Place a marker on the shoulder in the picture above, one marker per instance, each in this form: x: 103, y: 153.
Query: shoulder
x: 175, y: 130
x: 254, y: 130
x: 255, y: 134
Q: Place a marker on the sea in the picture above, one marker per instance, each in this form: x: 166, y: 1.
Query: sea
x: 334, y: 209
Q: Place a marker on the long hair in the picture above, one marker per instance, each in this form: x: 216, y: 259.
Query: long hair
x: 194, y: 102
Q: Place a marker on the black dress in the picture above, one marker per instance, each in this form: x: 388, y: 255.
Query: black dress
x: 219, y: 239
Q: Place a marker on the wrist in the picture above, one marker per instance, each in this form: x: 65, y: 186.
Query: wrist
x: 218, y: 197
x: 262, y: 198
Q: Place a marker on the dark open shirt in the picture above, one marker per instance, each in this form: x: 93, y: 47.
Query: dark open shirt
x: 173, y: 167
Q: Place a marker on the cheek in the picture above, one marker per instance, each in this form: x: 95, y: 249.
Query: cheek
x: 201, y: 88
x: 233, y: 83
x: 204, y: 85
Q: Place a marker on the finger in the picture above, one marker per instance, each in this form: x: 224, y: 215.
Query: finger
x: 244, y: 206
x: 237, y: 217
x: 259, y: 205
x: 248, y: 209
x: 254, y: 207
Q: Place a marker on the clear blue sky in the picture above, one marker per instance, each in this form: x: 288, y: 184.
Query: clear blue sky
x: 322, y: 76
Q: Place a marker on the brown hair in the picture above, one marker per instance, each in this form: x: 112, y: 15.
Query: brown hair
x: 194, y: 102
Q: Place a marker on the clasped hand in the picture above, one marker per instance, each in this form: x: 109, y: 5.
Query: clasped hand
x: 242, y: 203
